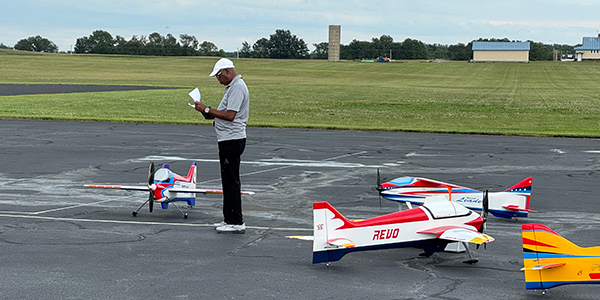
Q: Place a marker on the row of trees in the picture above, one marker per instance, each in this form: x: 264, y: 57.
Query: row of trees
x: 415, y: 49
x: 281, y: 45
x: 102, y: 42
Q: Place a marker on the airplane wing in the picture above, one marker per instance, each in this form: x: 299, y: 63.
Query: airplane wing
x: 202, y: 191
x: 416, y: 190
x: 459, y: 234
x: 425, y: 182
x: 120, y: 187
x: 173, y: 189
x: 543, y: 267
x: 419, y: 182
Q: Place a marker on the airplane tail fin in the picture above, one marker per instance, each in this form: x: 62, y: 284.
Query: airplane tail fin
x: 543, y: 252
x: 522, y: 187
x: 538, y: 238
x: 520, y: 195
x: 327, y: 244
x: 191, y: 176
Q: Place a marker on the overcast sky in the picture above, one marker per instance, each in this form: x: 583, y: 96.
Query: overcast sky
x: 228, y: 23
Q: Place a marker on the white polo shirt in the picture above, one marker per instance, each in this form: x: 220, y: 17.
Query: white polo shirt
x: 237, y: 98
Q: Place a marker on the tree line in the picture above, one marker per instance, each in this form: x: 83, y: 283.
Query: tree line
x: 415, y: 49
x: 280, y: 45
x: 102, y: 42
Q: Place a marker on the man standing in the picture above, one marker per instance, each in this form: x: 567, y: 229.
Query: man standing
x: 231, y: 118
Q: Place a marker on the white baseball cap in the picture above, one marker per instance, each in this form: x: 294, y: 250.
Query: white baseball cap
x: 223, y: 63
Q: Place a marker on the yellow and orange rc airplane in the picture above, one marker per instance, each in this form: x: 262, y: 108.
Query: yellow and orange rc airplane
x: 551, y: 260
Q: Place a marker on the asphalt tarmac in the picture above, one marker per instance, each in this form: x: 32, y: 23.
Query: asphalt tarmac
x: 59, y: 240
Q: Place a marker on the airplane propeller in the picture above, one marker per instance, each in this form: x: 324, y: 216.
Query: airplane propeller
x: 484, y: 214
x: 150, y: 183
x: 379, y: 188
x: 486, y: 208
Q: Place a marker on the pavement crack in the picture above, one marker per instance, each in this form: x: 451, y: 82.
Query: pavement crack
x: 236, y: 251
x: 444, y: 284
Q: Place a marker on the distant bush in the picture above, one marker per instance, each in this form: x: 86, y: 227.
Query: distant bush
x: 37, y: 44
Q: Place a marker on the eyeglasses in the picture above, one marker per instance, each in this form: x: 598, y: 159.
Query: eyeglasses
x: 218, y: 74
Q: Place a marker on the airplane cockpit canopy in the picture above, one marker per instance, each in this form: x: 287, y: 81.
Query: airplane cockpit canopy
x: 163, y: 175
x: 445, y: 209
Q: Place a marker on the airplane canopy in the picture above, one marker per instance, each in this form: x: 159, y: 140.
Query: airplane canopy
x: 441, y: 209
x: 163, y: 175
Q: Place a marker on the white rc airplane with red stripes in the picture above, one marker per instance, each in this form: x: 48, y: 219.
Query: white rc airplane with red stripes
x: 431, y: 227
x: 166, y: 187
x: 510, y: 203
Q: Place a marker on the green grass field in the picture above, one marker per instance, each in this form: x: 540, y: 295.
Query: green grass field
x: 538, y: 98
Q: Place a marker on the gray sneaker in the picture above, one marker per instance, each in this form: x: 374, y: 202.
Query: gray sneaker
x: 222, y: 223
x: 228, y: 228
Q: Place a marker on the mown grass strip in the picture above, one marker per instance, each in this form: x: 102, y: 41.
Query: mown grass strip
x: 538, y: 98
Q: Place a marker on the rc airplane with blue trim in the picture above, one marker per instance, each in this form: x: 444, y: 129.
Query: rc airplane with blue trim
x: 551, y: 260
x: 165, y: 186
x: 510, y: 203
x: 431, y: 227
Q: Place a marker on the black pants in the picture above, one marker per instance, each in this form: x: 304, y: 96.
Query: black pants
x: 230, y: 156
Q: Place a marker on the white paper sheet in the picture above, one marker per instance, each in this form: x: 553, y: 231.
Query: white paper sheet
x: 195, y: 94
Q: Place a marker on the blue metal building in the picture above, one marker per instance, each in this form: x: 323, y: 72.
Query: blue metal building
x: 589, y: 50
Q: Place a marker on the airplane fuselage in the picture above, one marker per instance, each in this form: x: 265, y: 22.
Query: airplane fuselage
x: 513, y: 202
x: 400, y: 229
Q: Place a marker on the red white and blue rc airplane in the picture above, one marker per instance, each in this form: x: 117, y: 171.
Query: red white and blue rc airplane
x: 510, y: 203
x: 167, y: 187
x: 431, y: 227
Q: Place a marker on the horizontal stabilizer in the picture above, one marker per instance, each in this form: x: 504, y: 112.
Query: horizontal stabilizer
x: 300, y: 237
x: 516, y: 208
x: 543, y: 267
x: 341, y: 243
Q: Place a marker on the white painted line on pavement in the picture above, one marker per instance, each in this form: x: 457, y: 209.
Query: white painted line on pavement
x: 4, y: 215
